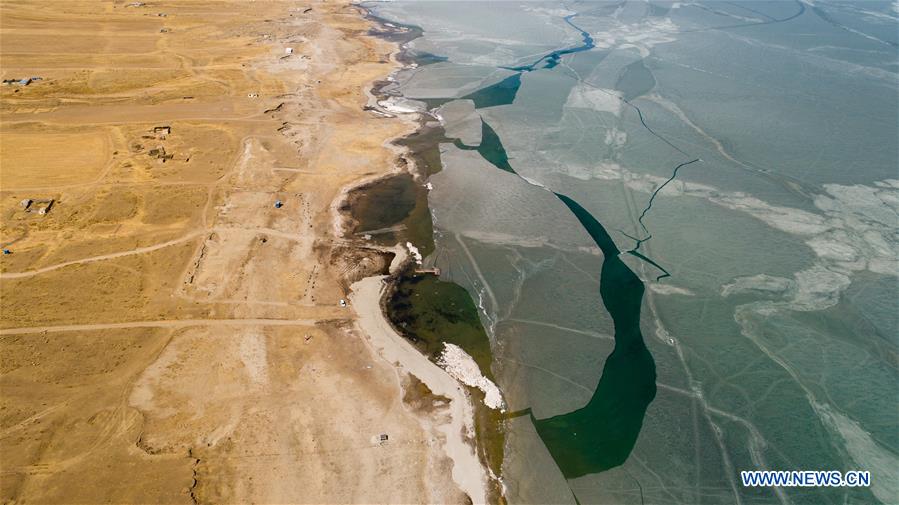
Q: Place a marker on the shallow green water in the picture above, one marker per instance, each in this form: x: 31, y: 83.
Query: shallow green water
x: 384, y: 203
x: 430, y: 311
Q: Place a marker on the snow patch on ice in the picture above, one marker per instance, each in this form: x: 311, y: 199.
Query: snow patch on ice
x: 759, y: 283
x: 641, y: 36
x: 414, y: 252
x: 464, y: 369
x: 615, y: 137
x: 598, y: 99
x: 399, y: 105
x: 668, y: 289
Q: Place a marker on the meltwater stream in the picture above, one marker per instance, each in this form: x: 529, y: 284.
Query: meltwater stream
x: 554, y: 58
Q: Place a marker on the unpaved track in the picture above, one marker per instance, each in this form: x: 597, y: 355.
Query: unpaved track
x: 140, y: 250
x: 177, y: 323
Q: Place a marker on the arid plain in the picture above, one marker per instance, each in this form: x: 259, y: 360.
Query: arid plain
x: 169, y: 334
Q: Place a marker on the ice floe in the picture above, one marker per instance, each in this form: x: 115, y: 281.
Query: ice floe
x: 853, y: 230
x: 615, y: 137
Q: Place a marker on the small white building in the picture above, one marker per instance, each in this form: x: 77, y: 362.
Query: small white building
x: 288, y: 50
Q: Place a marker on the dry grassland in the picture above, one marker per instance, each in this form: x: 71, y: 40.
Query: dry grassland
x: 166, y: 334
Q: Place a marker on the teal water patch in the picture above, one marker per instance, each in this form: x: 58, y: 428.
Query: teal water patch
x: 602, y: 434
x: 501, y: 93
x: 491, y: 148
x: 426, y: 58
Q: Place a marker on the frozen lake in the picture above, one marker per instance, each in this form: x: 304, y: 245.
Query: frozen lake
x: 680, y: 222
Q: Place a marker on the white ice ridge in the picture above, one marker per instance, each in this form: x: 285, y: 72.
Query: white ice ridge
x: 854, y: 232
x: 414, y: 252
x: 464, y: 369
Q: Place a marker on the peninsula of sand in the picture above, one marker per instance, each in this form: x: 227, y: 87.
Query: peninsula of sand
x: 183, y: 318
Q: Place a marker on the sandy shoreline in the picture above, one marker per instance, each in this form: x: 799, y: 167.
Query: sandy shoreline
x: 457, y: 425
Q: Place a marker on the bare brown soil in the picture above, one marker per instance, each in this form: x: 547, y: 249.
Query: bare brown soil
x: 167, y: 335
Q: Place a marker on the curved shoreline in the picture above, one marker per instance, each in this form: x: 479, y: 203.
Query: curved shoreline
x: 455, y: 423
x: 468, y: 472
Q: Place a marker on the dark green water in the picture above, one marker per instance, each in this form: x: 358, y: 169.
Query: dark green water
x: 491, y: 148
x: 396, y: 202
x: 602, y: 434
x: 501, y: 93
x: 429, y: 312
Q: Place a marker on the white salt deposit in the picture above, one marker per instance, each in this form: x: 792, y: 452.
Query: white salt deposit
x: 462, y: 367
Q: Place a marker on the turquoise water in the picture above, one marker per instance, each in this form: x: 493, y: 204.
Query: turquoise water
x: 716, y: 290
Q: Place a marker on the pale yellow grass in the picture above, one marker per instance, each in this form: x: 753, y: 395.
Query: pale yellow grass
x: 79, y: 44
x: 51, y: 159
